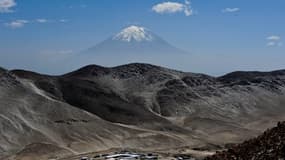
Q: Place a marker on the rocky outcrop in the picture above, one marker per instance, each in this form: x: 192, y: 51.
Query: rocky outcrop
x: 270, y: 145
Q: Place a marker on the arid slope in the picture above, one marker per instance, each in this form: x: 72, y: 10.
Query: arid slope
x: 134, y: 106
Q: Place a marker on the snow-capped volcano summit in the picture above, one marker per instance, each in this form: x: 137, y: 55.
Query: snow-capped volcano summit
x: 133, y: 40
x: 135, y: 33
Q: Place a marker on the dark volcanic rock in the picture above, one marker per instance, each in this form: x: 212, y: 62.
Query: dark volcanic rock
x: 89, y: 71
x: 133, y: 70
x: 201, y: 80
x: 270, y: 145
x: 94, y: 98
x: 246, y: 78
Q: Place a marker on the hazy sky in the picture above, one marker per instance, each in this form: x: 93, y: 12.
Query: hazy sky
x: 220, y: 35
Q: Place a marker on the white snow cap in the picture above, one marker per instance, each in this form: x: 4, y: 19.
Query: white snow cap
x: 135, y: 33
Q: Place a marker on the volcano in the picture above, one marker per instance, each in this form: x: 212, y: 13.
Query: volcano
x: 134, y: 40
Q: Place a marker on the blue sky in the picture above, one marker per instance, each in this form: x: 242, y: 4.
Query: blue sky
x: 221, y: 35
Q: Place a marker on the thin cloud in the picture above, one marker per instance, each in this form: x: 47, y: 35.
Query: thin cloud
x: 274, y: 41
x: 21, y: 23
x: 187, y: 2
x: 274, y: 38
x: 42, y: 20
x: 271, y: 44
x: 63, y: 20
x: 7, y: 5
x: 230, y: 10
x: 274, y: 44
x: 17, y: 24
x: 173, y: 7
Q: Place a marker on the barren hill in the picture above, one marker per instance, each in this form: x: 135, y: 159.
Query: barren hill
x: 135, y: 106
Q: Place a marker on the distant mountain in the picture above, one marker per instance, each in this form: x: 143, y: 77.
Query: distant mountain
x: 269, y: 145
x: 2, y: 70
x: 137, y: 105
x: 134, y: 40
